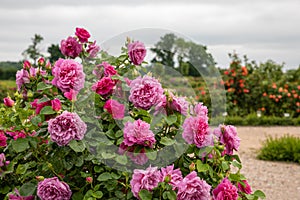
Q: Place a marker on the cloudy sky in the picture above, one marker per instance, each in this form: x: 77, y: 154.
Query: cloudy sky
x: 262, y: 29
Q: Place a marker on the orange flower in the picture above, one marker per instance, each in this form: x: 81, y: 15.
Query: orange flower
x: 295, y: 96
x: 298, y: 104
x: 246, y: 91
x: 264, y: 94
x: 276, y: 99
x: 274, y: 86
x: 203, y: 92
x: 244, y: 71
x: 298, y: 87
x: 280, y: 89
x: 288, y: 94
x: 242, y: 85
x: 293, y: 91
x: 279, y: 96
x: 263, y: 109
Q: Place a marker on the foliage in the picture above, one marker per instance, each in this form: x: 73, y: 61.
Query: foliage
x: 7, y: 88
x: 54, y: 52
x: 32, y: 52
x: 173, y: 51
x: 8, y: 70
x: 286, y: 148
x: 254, y: 120
x: 95, y: 167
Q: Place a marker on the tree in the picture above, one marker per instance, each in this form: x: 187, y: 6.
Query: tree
x: 54, y: 52
x: 32, y: 51
x: 187, y: 57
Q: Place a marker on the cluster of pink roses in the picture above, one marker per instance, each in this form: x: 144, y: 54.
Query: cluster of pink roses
x: 73, y: 46
x: 188, y: 188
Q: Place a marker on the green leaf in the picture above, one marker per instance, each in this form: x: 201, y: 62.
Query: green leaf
x: 5, y: 189
x: 44, y: 99
x: 171, y: 195
x: 104, y: 177
x: 234, y: 177
x: 171, y: 119
x: 98, y: 169
x: 122, y: 159
x: 237, y: 164
x: 36, y: 120
x: 201, y: 167
x: 151, y: 155
x: 225, y: 166
x: 145, y: 195
x: 27, y: 189
x: 21, y: 169
x: 97, y: 194
x: 20, y: 145
x: 77, y: 146
x: 107, y: 155
x: 167, y: 141
x: 77, y: 196
x: 47, y: 110
x: 43, y: 86
x: 205, y: 151
x: 259, y: 194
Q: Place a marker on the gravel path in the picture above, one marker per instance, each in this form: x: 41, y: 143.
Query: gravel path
x: 278, y: 180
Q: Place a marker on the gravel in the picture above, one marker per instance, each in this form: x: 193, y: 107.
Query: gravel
x: 278, y: 180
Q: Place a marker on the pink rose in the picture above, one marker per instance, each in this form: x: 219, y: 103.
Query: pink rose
x: 39, y: 106
x: 179, y: 104
x: 66, y: 127
x: 26, y: 65
x: 22, y: 77
x: 56, y: 104
x: 144, y: 179
x: 68, y: 75
x: 192, y: 187
x: 52, y: 188
x: 145, y: 92
x: 115, y: 108
x: 138, y: 133
x: 104, y: 87
x: 225, y: 190
x: 70, y: 47
x: 71, y: 95
x: 3, y: 139
x: 246, y: 189
x: 19, y: 197
x: 228, y: 137
x: 174, y: 176
x: 41, y: 61
x: 93, y: 49
x: 82, y: 34
x: 8, y: 102
x: 199, y: 109
x: 104, y: 69
x: 136, y: 52
x: 16, y: 134
x: 3, y: 161
x: 196, y: 131
x: 137, y: 156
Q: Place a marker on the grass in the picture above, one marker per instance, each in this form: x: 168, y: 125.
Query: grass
x: 286, y: 148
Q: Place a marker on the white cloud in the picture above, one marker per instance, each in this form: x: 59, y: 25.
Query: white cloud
x: 261, y: 29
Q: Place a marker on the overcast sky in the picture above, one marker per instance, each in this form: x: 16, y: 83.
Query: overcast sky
x: 262, y: 29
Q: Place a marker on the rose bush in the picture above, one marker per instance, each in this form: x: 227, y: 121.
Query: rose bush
x: 102, y: 128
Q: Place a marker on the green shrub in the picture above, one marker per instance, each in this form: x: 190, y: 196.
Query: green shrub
x: 253, y: 120
x: 286, y: 148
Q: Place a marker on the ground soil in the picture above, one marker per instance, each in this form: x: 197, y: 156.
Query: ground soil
x: 278, y: 180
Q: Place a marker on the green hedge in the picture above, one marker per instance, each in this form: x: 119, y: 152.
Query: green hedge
x: 286, y: 148
x: 253, y: 120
